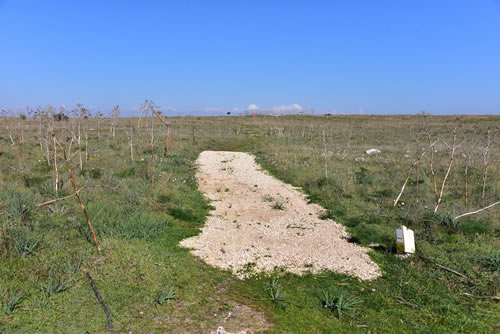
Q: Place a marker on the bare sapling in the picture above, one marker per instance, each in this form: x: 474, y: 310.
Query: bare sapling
x: 169, y: 138
x: 86, y: 131
x: 452, y: 149
x: 152, y: 143
x: 115, y: 113
x: 408, y: 174
x: 38, y: 114
x: 468, y: 156
x: 98, y: 117
x: 79, y: 141
x: 131, y: 141
x: 424, y: 116
x: 79, y: 198
x: 7, y: 114
x: 71, y: 138
x: 193, y: 134
x: 49, y: 128
x: 485, y: 164
x: 169, y: 128
x: 82, y: 114
x: 148, y: 108
x: 76, y: 132
x: 419, y: 147
x: 326, y: 156
x: 56, y: 171
x: 21, y: 119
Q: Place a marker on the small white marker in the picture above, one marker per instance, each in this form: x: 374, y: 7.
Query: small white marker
x: 405, y: 240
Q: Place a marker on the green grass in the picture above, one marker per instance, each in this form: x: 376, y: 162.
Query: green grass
x: 150, y: 284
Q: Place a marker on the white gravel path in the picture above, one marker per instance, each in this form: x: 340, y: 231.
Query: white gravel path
x: 244, y: 228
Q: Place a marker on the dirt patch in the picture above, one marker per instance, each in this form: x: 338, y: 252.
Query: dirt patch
x: 242, y: 320
x: 260, y: 223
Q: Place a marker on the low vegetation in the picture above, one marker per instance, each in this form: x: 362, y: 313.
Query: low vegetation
x: 136, y: 179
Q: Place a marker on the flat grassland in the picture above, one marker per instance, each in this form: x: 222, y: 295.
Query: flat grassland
x: 151, y: 284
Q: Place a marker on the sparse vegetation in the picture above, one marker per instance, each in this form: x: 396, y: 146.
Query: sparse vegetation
x: 43, y: 250
x: 278, y: 205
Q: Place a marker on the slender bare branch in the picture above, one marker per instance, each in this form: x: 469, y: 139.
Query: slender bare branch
x: 485, y: 164
x: 409, y: 172
x: 477, y: 211
x: 481, y: 297
x: 101, y: 301
x: 444, y: 268
x: 452, y: 155
x: 59, y: 199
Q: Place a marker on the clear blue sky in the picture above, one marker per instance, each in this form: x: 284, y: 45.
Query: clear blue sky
x: 213, y: 56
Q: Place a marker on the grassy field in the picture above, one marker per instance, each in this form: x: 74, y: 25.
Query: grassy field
x: 150, y: 284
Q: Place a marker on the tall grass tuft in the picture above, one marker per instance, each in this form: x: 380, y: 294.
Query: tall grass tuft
x: 11, y: 299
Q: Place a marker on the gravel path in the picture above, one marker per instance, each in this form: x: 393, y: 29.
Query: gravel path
x: 246, y: 232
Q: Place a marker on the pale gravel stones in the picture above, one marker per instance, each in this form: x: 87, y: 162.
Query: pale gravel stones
x: 244, y: 228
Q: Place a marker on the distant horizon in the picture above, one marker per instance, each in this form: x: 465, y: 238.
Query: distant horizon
x: 210, y: 58
x: 264, y: 112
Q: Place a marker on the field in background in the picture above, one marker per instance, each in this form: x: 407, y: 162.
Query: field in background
x: 152, y: 285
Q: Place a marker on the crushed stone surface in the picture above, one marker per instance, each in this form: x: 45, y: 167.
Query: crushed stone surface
x: 260, y: 223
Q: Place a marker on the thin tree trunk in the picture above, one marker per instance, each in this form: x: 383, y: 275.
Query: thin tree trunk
x: 169, y: 138
x: 86, y: 144
x: 10, y: 136
x: 99, y: 131
x: 409, y: 173
x: 326, y: 156
x: 79, y: 198
x: 131, y: 142
x: 417, y: 175
x: 485, y: 164
x: 152, y: 153
x: 21, y: 126
x: 40, y: 134
x: 56, y: 184
x: 453, y: 147
x: 431, y: 165
x: 466, y: 186
x: 47, y: 146
x: 80, y: 145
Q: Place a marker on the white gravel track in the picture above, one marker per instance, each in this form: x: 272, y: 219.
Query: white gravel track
x: 244, y: 228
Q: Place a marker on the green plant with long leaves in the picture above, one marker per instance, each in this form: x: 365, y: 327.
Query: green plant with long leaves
x: 11, y: 300
x: 165, y: 295
x: 339, y: 303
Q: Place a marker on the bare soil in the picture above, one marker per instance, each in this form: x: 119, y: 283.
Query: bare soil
x: 260, y: 223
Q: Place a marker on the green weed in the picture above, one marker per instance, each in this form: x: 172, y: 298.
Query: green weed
x: 12, y: 299
x: 165, y: 295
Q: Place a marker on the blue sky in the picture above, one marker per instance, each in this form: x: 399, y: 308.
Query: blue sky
x: 214, y: 56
